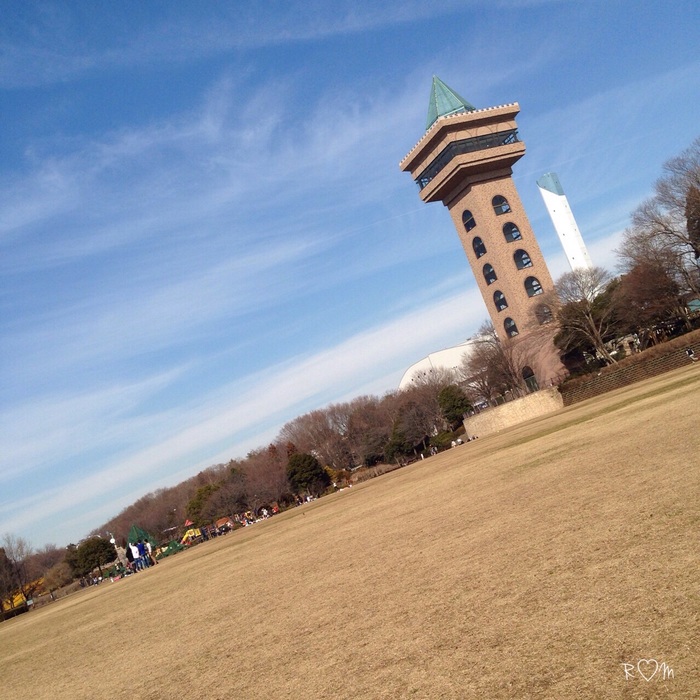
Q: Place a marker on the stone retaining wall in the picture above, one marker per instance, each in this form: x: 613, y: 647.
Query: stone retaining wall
x: 514, y: 412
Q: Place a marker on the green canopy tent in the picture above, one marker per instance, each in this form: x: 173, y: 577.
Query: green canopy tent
x: 136, y: 533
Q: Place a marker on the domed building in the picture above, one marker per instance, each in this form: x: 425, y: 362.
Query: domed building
x: 447, y: 359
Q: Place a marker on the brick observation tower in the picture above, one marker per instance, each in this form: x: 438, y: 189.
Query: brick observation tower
x: 465, y: 161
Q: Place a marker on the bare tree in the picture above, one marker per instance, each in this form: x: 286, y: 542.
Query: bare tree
x: 230, y: 497
x: 40, y: 561
x: 368, y: 429
x: 265, y: 473
x: 414, y: 415
x: 665, y: 229
x: 322, y: 433
x: 492, y: 368
x: 17, y: 551
x: 692, y: 217
x: 424, y: 393
x: 416, y: 419
x: 58, y: 575
x: 584, y: 313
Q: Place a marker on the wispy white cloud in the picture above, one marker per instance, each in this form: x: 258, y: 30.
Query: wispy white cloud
x: 53, y: 45
x: 56, y: 427
x: 154, y: 316
x: 195, y: 175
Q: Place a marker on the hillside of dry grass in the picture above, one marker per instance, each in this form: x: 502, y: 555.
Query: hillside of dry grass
x: 529, y: 564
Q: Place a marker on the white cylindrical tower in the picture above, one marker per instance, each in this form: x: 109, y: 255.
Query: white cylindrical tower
x: 564, y: 222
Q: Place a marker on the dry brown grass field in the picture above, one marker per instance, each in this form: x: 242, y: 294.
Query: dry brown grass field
x: 529, y: 564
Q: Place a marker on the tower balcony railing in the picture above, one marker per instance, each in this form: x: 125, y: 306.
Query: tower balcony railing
x: 470, y: 145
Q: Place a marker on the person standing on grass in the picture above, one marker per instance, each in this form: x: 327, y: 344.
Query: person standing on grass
x: 149, y: 552
x: 145, y: 562
x: 129, y: 556
x: 135, y: 557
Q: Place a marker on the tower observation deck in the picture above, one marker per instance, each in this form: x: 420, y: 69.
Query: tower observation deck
x: 465, y: 160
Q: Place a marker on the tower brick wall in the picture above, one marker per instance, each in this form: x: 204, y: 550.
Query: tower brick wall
x: 499, y: 252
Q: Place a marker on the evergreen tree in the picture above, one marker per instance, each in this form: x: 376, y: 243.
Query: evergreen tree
x: 305, y: 473
x: 95, y: 553
x: 453, y: 404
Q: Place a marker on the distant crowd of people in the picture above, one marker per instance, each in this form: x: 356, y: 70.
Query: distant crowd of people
x: 249, y: 517
x: 139, y: 555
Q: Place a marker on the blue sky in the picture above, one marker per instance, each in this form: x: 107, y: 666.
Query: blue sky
x: 204, y: 231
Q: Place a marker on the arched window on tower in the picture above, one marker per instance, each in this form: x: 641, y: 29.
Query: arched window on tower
x: 510, y: 327
x: 522, y: 259
x: 543, y: 314
x: 479, y: 247
x: 511, y: 232
x: 533, y: 286
x: 499, y: 300
x: 530, y: 379
x: 500, y: 204
x: 468, y: 220
x: 489, y: 274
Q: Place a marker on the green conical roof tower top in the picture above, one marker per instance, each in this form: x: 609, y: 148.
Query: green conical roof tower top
x: 444, y: 101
